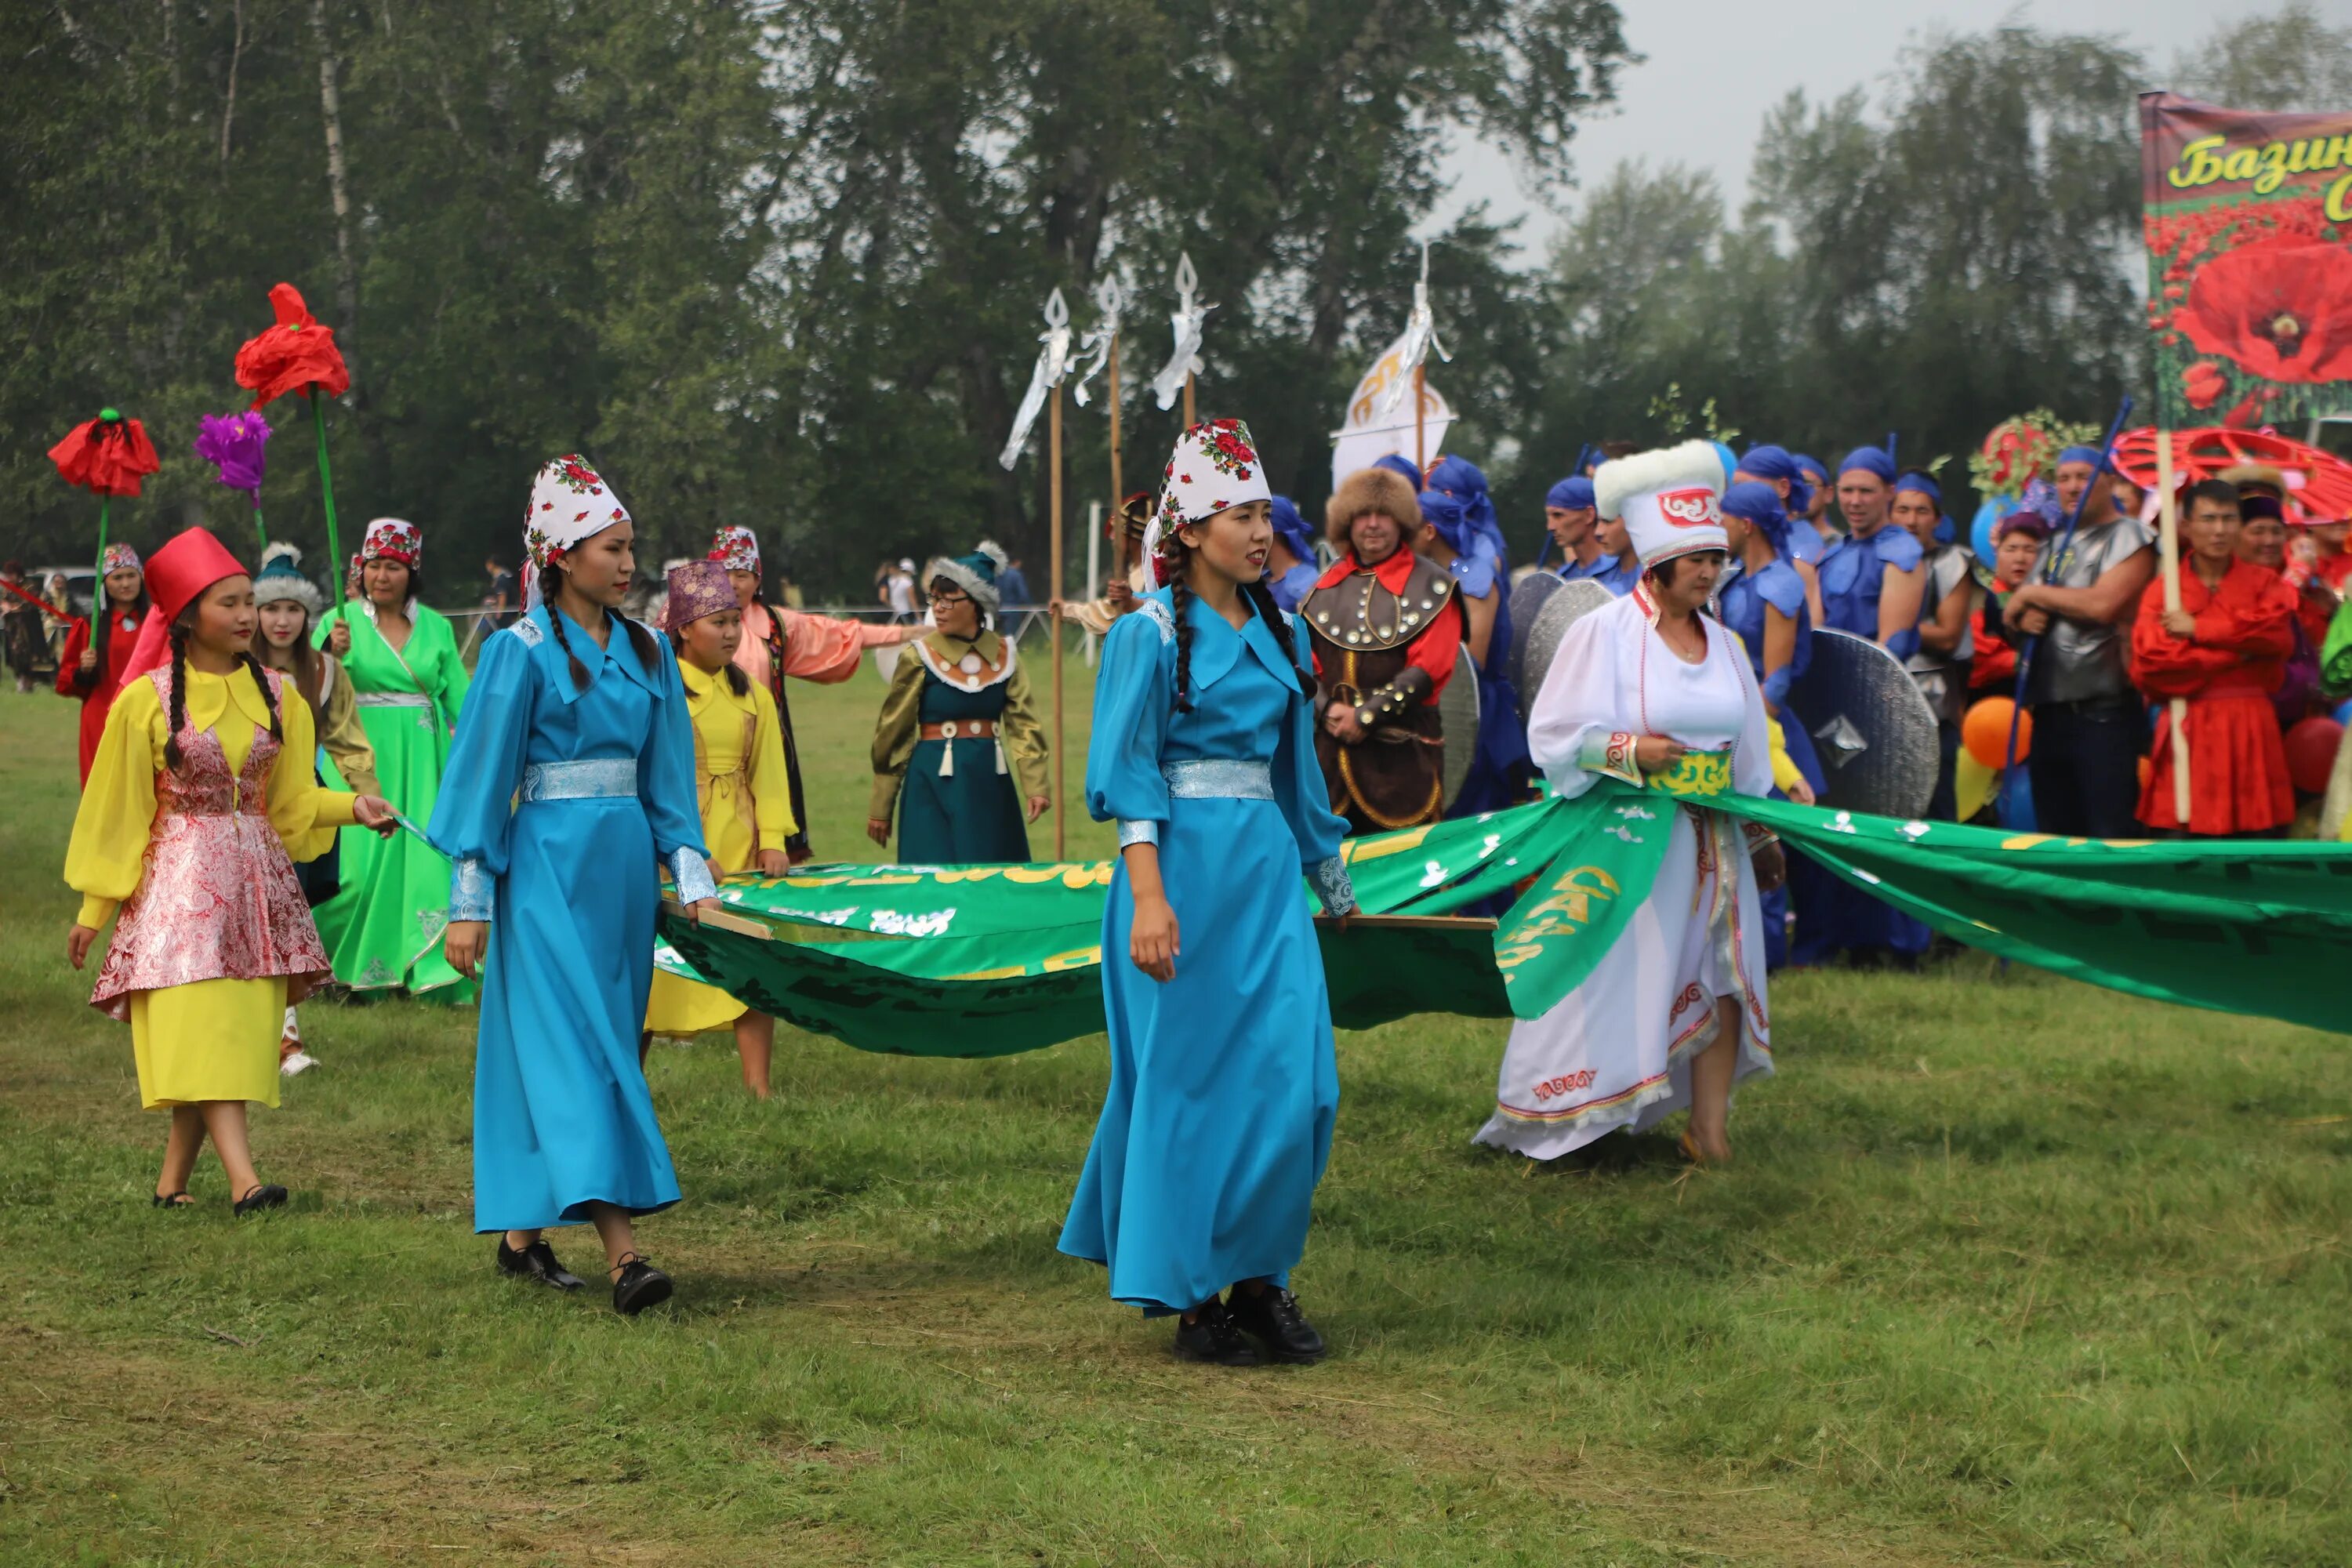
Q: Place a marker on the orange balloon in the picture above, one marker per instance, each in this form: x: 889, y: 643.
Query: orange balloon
x: 1985, y: 731
x: 2147, y: 771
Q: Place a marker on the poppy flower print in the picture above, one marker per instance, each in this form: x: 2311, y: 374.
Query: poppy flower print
x: 2280, y: 308
x: 2202, y: 384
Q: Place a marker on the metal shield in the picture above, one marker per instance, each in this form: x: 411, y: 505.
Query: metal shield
x: 1529, y: 595
x: 1874, y: 732
x: 1549, y: 627
x: 1457, y: 711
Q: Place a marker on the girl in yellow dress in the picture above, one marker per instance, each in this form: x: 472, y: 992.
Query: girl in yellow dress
x: 747, y: 814
x: 184, y: 826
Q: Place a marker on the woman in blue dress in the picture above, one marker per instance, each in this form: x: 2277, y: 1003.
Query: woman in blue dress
x: 1224, y: 1084
x: 571, y: 778
x: 1762, y: 599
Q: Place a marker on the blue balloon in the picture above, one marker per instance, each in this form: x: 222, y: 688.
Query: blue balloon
x: 1981, y: 531
x: 2344, y: 713
x: 1730, y: 462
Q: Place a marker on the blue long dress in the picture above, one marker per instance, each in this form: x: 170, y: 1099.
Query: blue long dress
x: 1742, y: 600
x: 1498, y: 771
x: 1831, y: 916
x: 568, y: 880
x: 1224, y: 1083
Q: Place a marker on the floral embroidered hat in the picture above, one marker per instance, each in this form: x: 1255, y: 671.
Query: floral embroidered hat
x: 736, y: 548
x: 392, y: 539
x: 1214, y: 468
x: 118, y: 557
x: 570, y: 502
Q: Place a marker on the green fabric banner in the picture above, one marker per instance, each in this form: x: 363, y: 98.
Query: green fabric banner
x: 989, y: 959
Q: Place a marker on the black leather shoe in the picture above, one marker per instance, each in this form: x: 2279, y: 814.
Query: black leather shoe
x: 1272, y: 1318
x: 537, y: 1261
x: 272, y: 1196
x: 1212, y: 1338
x: 179, y: 1200
x: 640, y: 1285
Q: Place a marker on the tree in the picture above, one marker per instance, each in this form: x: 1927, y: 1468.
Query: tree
x: 2291, y: 61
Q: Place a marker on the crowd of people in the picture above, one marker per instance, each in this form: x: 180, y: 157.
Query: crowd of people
x: 281, y: 794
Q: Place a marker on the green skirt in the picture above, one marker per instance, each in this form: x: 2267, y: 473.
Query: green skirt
x: 383, y: 928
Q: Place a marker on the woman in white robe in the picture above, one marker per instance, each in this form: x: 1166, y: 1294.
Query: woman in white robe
x: 1653, y: 692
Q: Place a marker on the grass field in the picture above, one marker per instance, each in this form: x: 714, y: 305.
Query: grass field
x: 2009, y: 1270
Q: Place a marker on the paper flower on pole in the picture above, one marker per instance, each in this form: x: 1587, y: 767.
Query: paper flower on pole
x: 296, y: 354
x: 232, y: 444
x: 106, y: 455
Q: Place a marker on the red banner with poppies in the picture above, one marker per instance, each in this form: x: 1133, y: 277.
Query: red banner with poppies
x: 2248, y: 223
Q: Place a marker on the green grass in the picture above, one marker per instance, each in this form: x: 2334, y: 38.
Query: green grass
x: 2009, y: 1270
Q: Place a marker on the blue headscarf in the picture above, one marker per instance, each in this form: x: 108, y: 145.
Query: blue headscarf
x: 2090, y: 455
x: 1809, y: 465
x: 1775, y: 463
x: 1921, y: 484
x: 1869, y: 460
x: 1401, y: 465
x: 1569, y: 495
x: 1449, y: 517
x: 1467, y: 482
x: 1292, y: 530
x: 1760, y: 504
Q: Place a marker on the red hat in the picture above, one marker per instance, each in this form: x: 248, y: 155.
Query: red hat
x: 185, y: 568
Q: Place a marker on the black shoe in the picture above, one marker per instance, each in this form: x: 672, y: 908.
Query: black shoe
x: 272, y: 1196
x: 641, y: 1285
x: 179, y: 1200
x: 537, y: 1261
x: 1273, y: 1319
x: 1212, y: 1338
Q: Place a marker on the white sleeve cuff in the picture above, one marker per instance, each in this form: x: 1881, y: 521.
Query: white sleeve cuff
x: 691, y: 875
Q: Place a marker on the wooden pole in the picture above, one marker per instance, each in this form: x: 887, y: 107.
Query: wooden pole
x: 1053, y: 614
x: 2168, y: 537
x: 1420, y: 456
x: 1191, y: 418
x: 1117, y: 491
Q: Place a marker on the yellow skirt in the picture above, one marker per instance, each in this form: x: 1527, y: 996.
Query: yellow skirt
x: 682, y: 1007
x: 213, y: 1039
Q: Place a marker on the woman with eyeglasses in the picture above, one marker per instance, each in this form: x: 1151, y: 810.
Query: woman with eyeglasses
x: 959, y: 749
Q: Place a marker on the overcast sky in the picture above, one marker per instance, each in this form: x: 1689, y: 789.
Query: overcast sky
x: 1715, y: 67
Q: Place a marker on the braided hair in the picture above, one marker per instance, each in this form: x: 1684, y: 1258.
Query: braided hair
x: 1261, y: 599
x: 550, y: 584
x: 737, y: 681
x: 172, y: 755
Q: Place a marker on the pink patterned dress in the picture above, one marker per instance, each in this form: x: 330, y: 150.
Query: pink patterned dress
x: 213, y: 937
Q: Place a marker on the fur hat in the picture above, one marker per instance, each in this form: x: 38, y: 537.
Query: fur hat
x: 1371, y: 489
x: 281, y: 577
x: 975, y: 574
x: 1668, y: 499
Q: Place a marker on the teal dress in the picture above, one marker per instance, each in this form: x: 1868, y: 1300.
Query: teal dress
x: 1223, y: 1082
x: 959, y: 798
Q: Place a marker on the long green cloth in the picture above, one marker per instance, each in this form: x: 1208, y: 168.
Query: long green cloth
x: 985, y: 960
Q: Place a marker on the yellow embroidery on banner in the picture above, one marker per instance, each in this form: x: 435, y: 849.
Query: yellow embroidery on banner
x: 1355, y: 849
x: 1076, y: 958
x: 1569, y: 906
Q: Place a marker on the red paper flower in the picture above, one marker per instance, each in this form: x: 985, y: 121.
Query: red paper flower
x: 292, y: 356
x: 2203, y: 384
x: 2281, y: 308
x: 106, y: 455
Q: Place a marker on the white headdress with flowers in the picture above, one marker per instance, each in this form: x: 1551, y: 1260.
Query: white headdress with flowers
x: 1668, y: 499
x: 1215, y: 467
x: 736, y: 548
x: 393, y: 539
x: 569, y: 503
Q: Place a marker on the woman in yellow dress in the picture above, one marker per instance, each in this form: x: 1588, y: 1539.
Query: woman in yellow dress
x: 186, y: 826
x: 741, y: 783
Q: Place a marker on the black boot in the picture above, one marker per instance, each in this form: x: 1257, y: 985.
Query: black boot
x: 537, y: 1261
x: 1272, y: 1318
x: 1211, y: 1337
x: 640, y: 1285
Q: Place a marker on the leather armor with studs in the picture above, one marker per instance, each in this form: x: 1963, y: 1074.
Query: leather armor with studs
x: 1363, y: 634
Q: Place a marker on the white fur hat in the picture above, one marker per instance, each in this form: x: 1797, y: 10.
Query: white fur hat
x: 1668, y: 497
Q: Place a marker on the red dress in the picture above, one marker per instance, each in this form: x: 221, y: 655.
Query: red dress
x: 96, y: 697
x: 1993, y: 670
x: 2237, y: 760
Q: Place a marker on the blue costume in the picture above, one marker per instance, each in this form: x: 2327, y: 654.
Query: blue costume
x: 1293, y: 586
x: 1467, y: 482
x: 1610, y: 571
x: 1741, y: 603
x: 567, y: 879
x: 1498, y: 772
x: 1223, y: 1085
x: 1854, y: 574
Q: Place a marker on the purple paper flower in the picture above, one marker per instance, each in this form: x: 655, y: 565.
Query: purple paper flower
x: 233, y: 443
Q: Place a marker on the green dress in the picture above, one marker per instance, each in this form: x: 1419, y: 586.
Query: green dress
x: 960, y: 800
x: 383, y: 929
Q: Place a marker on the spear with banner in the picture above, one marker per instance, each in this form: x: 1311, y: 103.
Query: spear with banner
x: 107, y: 456
x: 1375, y: 427
x: 1102, y: 342
x: 1184, y: 362
x: 299, y: 354
x: 1054, y: 360
x: 2049, y: 571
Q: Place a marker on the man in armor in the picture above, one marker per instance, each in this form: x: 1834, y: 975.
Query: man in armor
x: 1386, y: 627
